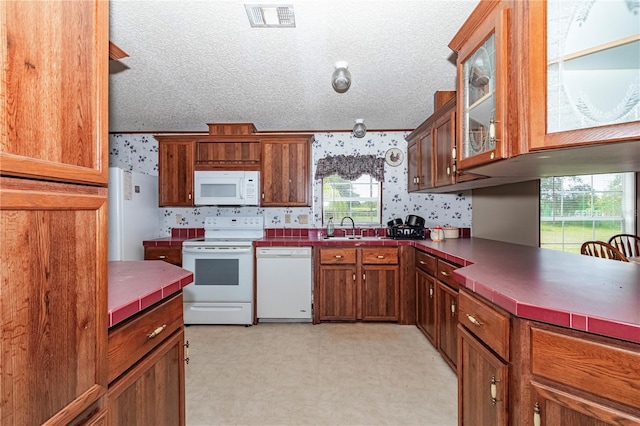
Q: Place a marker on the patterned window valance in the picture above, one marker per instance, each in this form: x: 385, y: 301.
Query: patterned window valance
x: 351, y: 167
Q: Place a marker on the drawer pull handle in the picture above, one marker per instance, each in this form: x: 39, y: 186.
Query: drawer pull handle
x: 338, y: 256
x: 157, y: 331
x: 186, y: 352
x: 162, y: 256
x: 473, y: 321
x: 422, y: 262
x: 494, y: 390
x: 536, y: 415
x: 446, y: 274
x: 380, y: 256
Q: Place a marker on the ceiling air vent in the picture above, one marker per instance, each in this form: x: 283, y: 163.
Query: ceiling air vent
x: 271, y: 15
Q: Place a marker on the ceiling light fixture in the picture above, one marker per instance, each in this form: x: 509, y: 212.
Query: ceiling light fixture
x: 359, y: 130
x: 271, y: 15
x: 341, y: 78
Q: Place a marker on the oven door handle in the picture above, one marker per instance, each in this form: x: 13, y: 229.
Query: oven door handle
x: 226, y: 250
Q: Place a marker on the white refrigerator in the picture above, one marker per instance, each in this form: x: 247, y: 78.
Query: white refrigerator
x: 134, y: 215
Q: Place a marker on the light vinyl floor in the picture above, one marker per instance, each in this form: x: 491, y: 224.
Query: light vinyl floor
x: 325, y: 374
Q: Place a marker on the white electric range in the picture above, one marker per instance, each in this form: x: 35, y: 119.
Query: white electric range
x: 222, y: 266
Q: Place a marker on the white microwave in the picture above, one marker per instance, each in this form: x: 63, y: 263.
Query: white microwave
x: 227, y: 188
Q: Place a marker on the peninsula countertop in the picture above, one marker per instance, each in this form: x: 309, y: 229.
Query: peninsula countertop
x: 136, y: 285
x: 585, y: 293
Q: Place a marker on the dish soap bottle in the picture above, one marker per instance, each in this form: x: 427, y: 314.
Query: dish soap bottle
x: 330, y: 227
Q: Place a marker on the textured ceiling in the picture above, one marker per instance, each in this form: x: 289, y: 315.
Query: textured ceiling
x: 198, y: 62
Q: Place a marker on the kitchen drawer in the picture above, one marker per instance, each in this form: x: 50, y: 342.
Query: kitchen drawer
x: 445, y: 274
x: 488, y: 324
x: 171, y: 254
x: 338, y: 256
x: 380, y: 256
x: 129, y: 342
x: 426, y: 262
x: 609, y: 371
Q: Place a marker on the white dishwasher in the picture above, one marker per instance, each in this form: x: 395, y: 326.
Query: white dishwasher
x: 284, y: 282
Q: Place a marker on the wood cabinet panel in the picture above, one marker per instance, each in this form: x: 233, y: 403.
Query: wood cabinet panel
x: 232, y: 155
x: 286, y: 171
x: 130, y: 341
x: 171, y: 254
x: 379, y: 256
x: 54, y: 86
x: 489, y: 325
x: 53, y: 300
x: 478, y: 371
x: 342, y: 256
x: 152, y: 392
x: 447, y: 322
x: 426, y: 262
x: 175, y: 172
x: 337, y: 299
x: 380, y: 293
x: 593, y: 367
x: 444, y: 139
x: 426, y: 305
x: 413, y: 165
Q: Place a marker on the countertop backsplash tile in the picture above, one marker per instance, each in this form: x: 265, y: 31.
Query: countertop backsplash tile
x: 139, y: 153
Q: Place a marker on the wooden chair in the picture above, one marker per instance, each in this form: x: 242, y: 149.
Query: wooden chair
x: 628, y: 244
x: 603, y: 250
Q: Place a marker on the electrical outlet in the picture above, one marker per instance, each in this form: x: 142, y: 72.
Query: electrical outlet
x: 178, y: 219
x: 303, y: 219
x: 287, y: 218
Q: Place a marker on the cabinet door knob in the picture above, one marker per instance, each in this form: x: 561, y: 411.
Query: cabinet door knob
x: 157, y: 331
x: 453, y: 308
x: 536, y: 415
x: 189, y: 195
x: 162, y: 256
x: 430, y: 292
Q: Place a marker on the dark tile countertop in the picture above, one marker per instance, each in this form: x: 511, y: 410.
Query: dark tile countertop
x: 136, y: 285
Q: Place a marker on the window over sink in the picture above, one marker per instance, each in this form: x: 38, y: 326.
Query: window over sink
x: 359, y: 199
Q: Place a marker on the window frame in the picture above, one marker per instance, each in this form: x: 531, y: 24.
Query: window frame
x: 337, y: 216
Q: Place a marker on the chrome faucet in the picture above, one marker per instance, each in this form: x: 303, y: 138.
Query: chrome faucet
x: 353, y: 224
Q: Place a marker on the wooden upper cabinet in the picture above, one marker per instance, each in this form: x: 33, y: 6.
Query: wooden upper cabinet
x: 228, y: 153
x: 444, y: 141
x: 286, y: 171
x: 55, y: 90
x: 420, y: 155
x: 483, y: 86
x: 580, y: 71
x: 175, y: 171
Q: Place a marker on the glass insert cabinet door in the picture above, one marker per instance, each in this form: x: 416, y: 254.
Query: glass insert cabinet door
x: 593, y: 70
x: 482, y: 85
x: 479, y: 105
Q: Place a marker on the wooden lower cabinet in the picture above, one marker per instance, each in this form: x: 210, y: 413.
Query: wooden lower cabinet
x: 447, y: 311
x: 337, y: 298
x: 426, y: 305
x: 357, y: 284
x: 380, y: 293
x: 152, y: 392
x: 146, y: 367
x: 171, y: 254
x: 482, y: 389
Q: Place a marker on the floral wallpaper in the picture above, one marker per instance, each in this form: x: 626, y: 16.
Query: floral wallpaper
x: 139, y: 153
